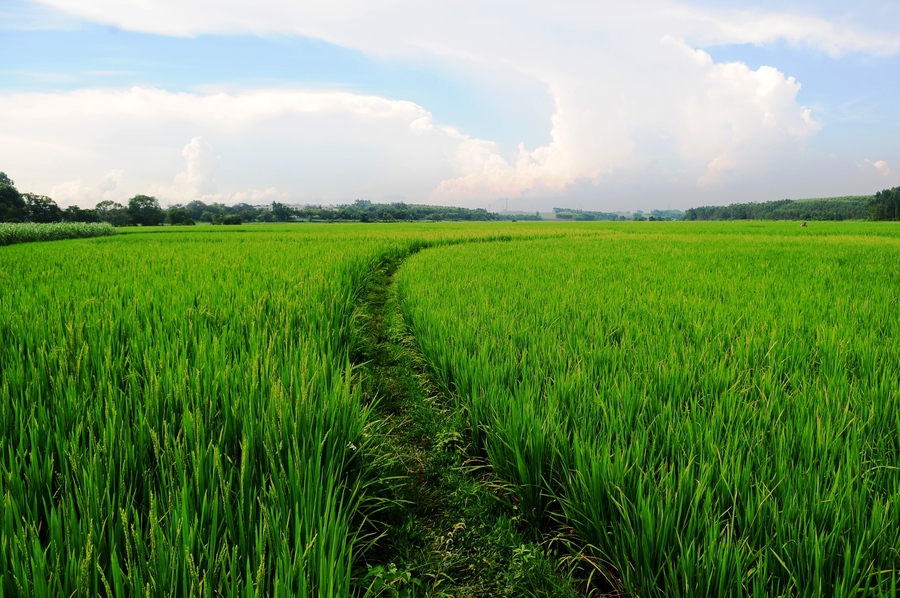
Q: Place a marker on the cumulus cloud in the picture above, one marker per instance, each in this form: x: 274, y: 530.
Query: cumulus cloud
x: 322, y: 146
x: 197, y: 180
x: 79, y: 192
x: 638, y: 104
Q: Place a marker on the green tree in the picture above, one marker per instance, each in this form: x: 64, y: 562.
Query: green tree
x: 144, y: 210
x: 180, y: 216
x: 112, y: 212
x: 12, y: 206
x: 76, y: 214
x: 281, y: 212
x: 885, y: 205
x: 40, y: 208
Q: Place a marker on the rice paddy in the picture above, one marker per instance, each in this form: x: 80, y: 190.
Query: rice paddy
x: 693, y: 409
x: 705, y: 411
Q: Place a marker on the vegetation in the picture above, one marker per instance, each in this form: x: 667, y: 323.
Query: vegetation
x: 12, y: 206
x: 11, y: 233
x: 444, y: 533
x: 885, y: 205
x: 144, y: 210
x: 694, y: 409
x: 696, y: 412
x: 588, y: 216
x: 835, y: 208
x: 179, y: 413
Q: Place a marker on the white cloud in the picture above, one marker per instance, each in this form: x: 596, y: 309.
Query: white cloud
x: 637, y: 105
x: 201, y: 166
x: 77, y: 192
x: 882, y: 167
x: 323, y: 146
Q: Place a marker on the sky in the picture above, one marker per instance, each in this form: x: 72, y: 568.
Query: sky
x: 530, y: 105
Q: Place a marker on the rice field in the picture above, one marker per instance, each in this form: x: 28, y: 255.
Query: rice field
x: 700, y: 410
x: 696, y: 409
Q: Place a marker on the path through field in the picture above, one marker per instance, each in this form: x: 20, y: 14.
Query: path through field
x: 447, y: 531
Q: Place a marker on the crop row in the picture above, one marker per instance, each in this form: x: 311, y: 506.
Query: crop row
x: 11, y: 233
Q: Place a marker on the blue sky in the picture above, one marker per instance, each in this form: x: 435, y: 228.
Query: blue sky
x: 539, y: 104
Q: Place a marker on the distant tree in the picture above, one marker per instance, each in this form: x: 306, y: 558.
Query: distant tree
x: 40, y: 208
x: 12, y: 206
x: 179, y: 216
x: 144, y: 210
x: 885, y: 205
x: 232, y: 219
x: 197, y: 208
x: 265, y: 216
x: 76, y: 214
x: 112, y: 212
x: 281, y: 212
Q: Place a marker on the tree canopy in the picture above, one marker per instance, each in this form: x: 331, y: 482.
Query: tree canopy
x: 835, y: 208
x: 885, y: 205
x: 144, y: 210
x: 12, y: 206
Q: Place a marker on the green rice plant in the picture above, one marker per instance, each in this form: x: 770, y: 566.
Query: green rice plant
x: 179, y: 413
x: 11, y: 233
x: 710, y: 409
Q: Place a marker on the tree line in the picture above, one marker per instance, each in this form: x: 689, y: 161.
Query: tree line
x: 144, y: 210
x: 588, y: 216
x: 836, y: 208
x: 885, y: 205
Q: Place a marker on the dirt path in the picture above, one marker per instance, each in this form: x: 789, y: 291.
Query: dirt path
x: 445, y: 532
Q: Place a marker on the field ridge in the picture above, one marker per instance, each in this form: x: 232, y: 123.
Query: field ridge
x: 444, y: 530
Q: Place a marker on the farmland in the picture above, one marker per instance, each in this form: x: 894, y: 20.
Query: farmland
x: 691, y: 409
x: 714, y: 411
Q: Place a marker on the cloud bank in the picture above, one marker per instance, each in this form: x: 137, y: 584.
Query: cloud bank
x: 641, y: 113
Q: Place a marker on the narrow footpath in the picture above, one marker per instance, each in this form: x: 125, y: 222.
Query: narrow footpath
x: 445, y: 530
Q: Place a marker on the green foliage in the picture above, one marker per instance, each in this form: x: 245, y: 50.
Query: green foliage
x: 112, y: 212
x: 77, y: 214
x: 885, y: 205
x: 42, y: 209
x: 11, y: 233
x: 835, y: 208
x: 230, y: 219
x: 700, y: 412
x: 712, y: 408
x: 179, y: 216
x: 582, y: 215
x: 178, y: 413
x: 359, y: 211
x: 144, y: 210
x: 281, y: 213
x: 12, y: 206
